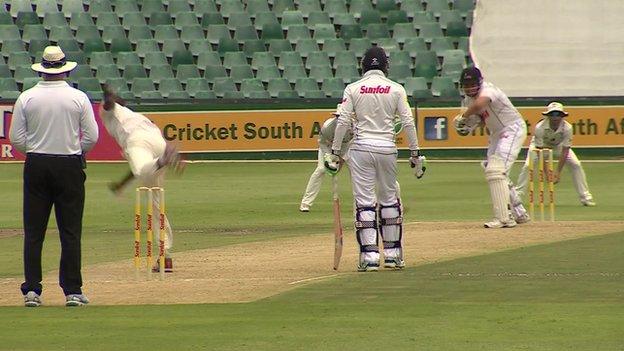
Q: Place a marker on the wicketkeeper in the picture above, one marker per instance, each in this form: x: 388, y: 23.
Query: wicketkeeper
x: 372, y: 158
x: 146, y: 151
x: 486, y: 104
x: 555, y: 133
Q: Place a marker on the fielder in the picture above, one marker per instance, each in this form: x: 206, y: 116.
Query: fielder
x: 486, y: 104
x: 325, y: 140
x: 555, y: 133
x: 146, y: 151
x: 372, y: 158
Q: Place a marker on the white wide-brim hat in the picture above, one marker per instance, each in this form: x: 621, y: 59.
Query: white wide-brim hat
x: 53, y: 62
x: 554, y: 107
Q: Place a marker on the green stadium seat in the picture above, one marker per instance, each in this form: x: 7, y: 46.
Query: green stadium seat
x: 414, y: 46
x: 88, y: 84
x: 93, y: 45
x: 163, y: 32
x: 272, y: 32
x: 26, y: 18
x: 46, y: 6
x: 130, y: 19
x: 17, y: 6
x: 308, y: 6
x: 291, y: 18
x: 260, y: 59
x: 69, y: 7
x: 20, y: 59
x: 235, y: 58
x: 357, y: 6
x: 194, y: 85
x: 441, y: 44
x: 317, y: 58
x: 448, y: 93
x: 186, y: 72
x: 425, y: 70
x: 428, y: 57
x: 263, y: 18
x: 276, y: 85
x: 290, y: 58
x: 348, y: 73
x: 296, y: 32
x: 158, y: 19
x: 141, y: 84
x: 306, y: 46
x: 231, y: 6
x: 8, y: 32
x: 403, y: 32
x: 97, y: 59
x: 107, y: 19
x: 240, y: 72
x: 250, y: 85
x: 370, y: 16
x: 172, y: 45
x: 463, y: 43
x: 131, y: 72
x: 257, y: 6
x: 178, y: 95
x: 399, y: 72
x: 287, y: 94
x: 277, y: 46
x: 464, y: 6
x: 222, y: 85
x: 313, y: 94
x: 111, y: 32
x: 217, y: 32
x: 280, y: 6
x: 120, y: 44
x: 335, y: 7
x: 152, y: 59
x: 388, y: 44
x: 395, y: 17
x: 411, y: 8
x: 305, y: 84
x: 10, y: 95
x: 23, y: 72
x: 422, y: 17
x: 318, y: 17
x: 181, y: 57
x: 97, y: 7
x: 323, y: 32
x: 122, y: 7
x: 334, y: 46
x: 421, y: 94
x: 227, y: 45
x: 12, y: 45
x: 193, y: 32
x: 331, y: 85
x: 250, y: 47
x: 128, y: 59
x: 436, y: 7
x: 239, y: 19
x: 5, y: 18
x: 401, y: 58
x: 428, y: 31
x: 29, y: 82
x: 33, y: 31
x: 213, y: 72
x: 208, y: 58
x: 377, y: 31
x: 106, y: 72
x: 139, y: 32
x: 293, y: 72
x: 456, y: 29
x: 77, y: 56
x: 53, y: 19
x: 175, y: 7
x: 149, y: 95
x: 81, y: 71
x: 266, y: 73
x: 197, y: 46
x: 447, y: 16
x: 233, y: 95
x: 345, y: 58
x: 205, y: 94
x: 7, y: 84
x: 350, y: 31
x: 36, y: 47
x: 454, y: 56
x: 151, y: 6
x: 341, y: 19
x: 243, y: 33
x: 205, y: 6
x: 80, y: 19
x: 386, y: 6
x: 87, y: 32
x: 186, y: 19
x: 452, y: 70
x: 320, y: 72
x: 259, y: 94
x: 359, y: 46
x: 209, y: 18
x: 143, y: 46
x: 415, y: 83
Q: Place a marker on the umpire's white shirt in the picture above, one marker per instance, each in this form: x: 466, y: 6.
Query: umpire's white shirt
x: 50, y: 117
x: 500, y: 112
x: 375, y: 100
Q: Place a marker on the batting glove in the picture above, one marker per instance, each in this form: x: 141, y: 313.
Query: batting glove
x: 332, y: 163
x: 418, y: 162
x: 461, y: 126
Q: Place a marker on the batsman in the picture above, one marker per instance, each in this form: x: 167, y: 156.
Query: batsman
x: 147, y: 153
x: 374, y: 100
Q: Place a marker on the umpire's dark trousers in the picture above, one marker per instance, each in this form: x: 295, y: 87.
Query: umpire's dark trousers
x: 53, y: 180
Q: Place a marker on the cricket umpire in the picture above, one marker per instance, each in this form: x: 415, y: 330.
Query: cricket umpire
x: 54, y: 125
x: 372, y: 158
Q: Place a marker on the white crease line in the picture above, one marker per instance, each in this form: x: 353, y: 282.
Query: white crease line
x: 312, y: 279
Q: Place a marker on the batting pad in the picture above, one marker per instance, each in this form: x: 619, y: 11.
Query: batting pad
x: 517, y: 209
x: 391, y: 229
x: 366, y: 232
x: 499, y: 188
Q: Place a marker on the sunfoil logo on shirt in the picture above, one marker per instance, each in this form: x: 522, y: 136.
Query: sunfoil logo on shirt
x: 375, y: 90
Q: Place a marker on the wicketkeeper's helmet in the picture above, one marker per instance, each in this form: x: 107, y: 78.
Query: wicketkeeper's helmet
x: 375, y: 58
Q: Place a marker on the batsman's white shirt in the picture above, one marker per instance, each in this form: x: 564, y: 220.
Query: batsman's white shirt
x: 552, y: 139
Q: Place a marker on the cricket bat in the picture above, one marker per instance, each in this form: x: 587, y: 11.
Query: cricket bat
x: 337, y: 224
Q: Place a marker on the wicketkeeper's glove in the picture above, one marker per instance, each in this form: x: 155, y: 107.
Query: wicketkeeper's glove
x: 332, y: 162
x: 418, y: 162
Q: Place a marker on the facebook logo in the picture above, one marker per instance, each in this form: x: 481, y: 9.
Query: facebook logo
x: 436, y: 128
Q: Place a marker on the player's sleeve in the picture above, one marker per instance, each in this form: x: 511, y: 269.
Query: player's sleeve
x: 88, y: 126
x: 405, y: 114
x: 539, y: 135
x: 17, y: 133
x: 566, y: 141
x: 344, y: 119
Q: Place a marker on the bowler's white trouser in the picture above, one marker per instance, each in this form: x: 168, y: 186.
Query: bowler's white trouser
x: 373, y: 180
x: 572, y: 162
x: 316, y: 179
x: 143, y: 149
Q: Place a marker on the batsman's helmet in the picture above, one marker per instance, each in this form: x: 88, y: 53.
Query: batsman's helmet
x: 375, y: 58
x: 470, y: 81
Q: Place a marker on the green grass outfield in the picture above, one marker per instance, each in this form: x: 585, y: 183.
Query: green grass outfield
x: 562, y: 296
